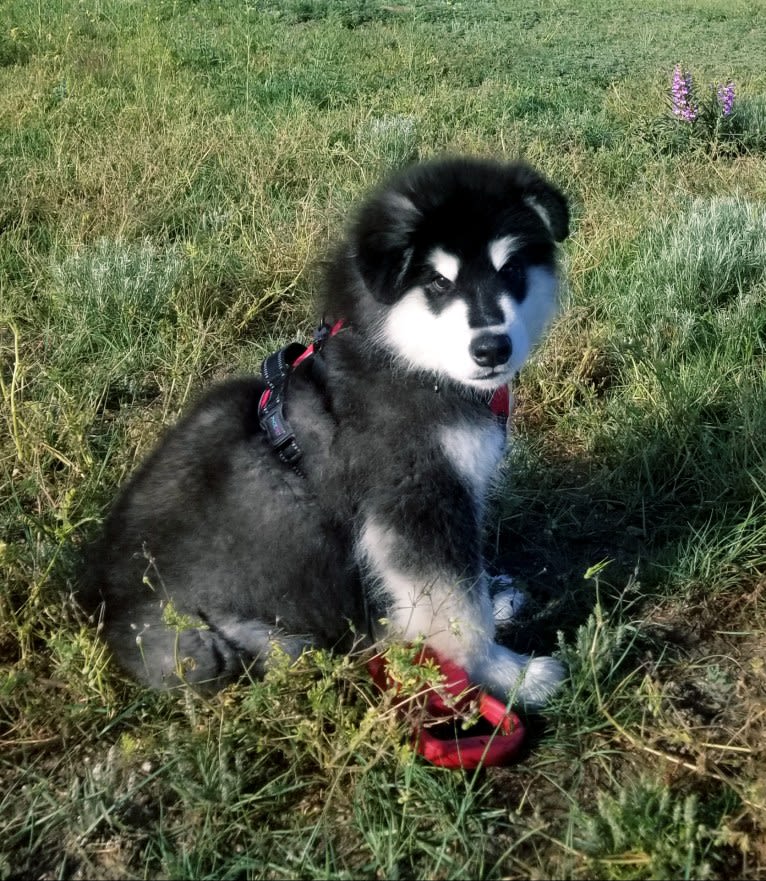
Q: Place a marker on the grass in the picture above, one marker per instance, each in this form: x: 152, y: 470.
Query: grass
x: 171, y: 175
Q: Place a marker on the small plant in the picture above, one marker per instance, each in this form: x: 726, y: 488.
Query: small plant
x: 715, y: 119
x: 707, y: 113
x: 391, y: 140
x: 111, y: 314
x: 647, y: 831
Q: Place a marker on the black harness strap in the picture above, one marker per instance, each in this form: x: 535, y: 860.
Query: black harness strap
x: 276, y: 370
x: 271, y: 407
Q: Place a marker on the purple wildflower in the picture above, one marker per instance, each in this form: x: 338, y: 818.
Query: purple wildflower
x: 681, y: 96
x: 725, y: 95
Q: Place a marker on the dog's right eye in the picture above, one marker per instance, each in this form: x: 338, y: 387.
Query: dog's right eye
x: 440, y: 284
x: 513, y: 271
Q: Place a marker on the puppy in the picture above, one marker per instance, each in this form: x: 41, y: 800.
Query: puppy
x: 341, y: 495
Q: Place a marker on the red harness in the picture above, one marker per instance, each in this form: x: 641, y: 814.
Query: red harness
x: 325, y: 331
x: 500, y: 403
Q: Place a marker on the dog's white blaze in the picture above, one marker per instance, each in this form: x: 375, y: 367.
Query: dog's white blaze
x: 535, y: 205
x: 475, y: 453
x: 501, y: 249
x: 444, y: 263
x: 428, y: 340
x: 509, y: 307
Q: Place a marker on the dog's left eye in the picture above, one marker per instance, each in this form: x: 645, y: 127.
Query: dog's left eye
x: 440, y: 285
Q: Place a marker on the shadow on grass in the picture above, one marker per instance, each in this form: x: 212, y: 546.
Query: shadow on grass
x: 656, y: 526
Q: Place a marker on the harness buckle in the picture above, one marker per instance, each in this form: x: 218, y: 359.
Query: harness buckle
x: 272, y: 419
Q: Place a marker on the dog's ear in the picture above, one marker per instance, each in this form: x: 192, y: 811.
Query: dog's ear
x: 550, y: 204
x: 383, y: 235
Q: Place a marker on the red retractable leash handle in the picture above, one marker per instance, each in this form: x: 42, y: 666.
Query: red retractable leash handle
x: 496, y: 745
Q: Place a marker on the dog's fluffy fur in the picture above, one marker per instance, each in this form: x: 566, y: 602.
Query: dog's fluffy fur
x: 446, y: 280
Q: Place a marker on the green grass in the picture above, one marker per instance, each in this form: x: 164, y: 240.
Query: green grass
x: 171, y: 174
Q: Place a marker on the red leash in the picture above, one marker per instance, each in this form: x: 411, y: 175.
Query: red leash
x: 436, y: 733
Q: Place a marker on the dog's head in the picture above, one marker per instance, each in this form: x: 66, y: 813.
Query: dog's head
x: 459, y: 256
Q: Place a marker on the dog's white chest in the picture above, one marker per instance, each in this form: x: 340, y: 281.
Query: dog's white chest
x: 475, y: 453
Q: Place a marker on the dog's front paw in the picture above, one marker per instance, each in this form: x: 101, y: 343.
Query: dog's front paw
x: 526, y: 682
x: 541, y: 679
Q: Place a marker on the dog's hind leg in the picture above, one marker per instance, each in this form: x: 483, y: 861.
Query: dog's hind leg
x: 206, y: 658
x: 165, y: 657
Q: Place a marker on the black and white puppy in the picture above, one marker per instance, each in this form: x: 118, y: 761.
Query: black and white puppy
x: 445, y: 281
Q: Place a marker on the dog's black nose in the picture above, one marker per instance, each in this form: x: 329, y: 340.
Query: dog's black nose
x: 491, y: 349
